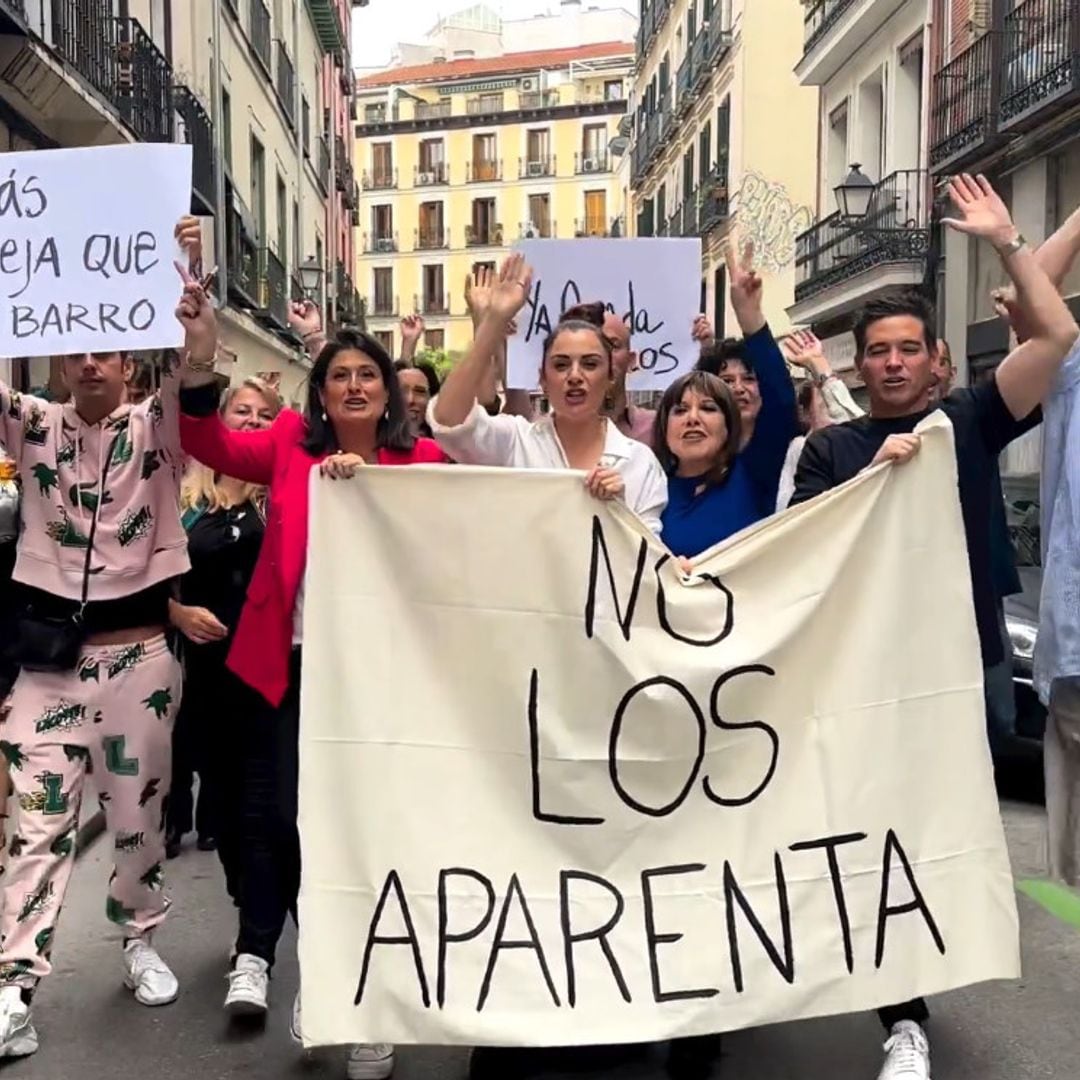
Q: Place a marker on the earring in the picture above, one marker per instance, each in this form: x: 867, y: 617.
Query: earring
x: 324, y: 416
x: 386, y: 413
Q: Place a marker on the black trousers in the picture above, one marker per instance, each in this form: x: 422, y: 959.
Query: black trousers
x: 211, y: 738
x: 914, y: 1010
x: 270, y: 864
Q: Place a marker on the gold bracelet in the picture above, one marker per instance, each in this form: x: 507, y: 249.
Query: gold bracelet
x: 201, y: 367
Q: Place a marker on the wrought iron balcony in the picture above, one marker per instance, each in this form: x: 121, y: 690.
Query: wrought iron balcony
x: 534, y: 168
x: 962, y: 109
x: 194, y: 126
x: 435, y: 174
x: 591, y: 226
x: 242, y: 259
x: 701, y: 69
x: 821, y: 16
x: 322, y: 169
x: 343, y: 166
x: 483, y: 235
x: 144, y: 83
x: 896, y: 228
x: 487, y: 105
x: 544, y: 229
x: 437, y: 110
x: 331, y: 34
x: 688, y: 224
x: 432, y: 304
x: 385, y: 307
x: 714, y: 208
x: 639, y: 162
x: 273, y: 290
x: 1041, y: 62
x: 429, y: 239
x: 349, y: 308
x: 598, y: 161
x: 683, y: 84
x: 720, y: 39
x: 380, y: 243
x: 379, y: 180
x: 482, y: 170
x: 285, y: 82
x: 259, y: 33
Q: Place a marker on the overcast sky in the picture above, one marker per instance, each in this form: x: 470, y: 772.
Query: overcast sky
x: 378, y: 27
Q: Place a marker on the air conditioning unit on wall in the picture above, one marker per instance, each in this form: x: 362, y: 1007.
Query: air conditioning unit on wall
x: 426, y: 178
x: 536, y: 168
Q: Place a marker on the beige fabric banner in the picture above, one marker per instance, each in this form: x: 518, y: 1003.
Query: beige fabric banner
x: 552, y: 793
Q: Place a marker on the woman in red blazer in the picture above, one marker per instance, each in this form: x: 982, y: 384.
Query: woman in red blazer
x: 355, y: 415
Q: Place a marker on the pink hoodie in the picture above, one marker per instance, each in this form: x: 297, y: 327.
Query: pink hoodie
x: 139, y: 540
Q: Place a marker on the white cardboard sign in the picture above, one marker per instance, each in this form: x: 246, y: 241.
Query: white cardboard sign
x: 653, y: 284
x: 87, y: 248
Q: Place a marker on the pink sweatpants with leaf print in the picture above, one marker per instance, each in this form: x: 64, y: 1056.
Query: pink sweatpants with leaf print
x: 112, y: 716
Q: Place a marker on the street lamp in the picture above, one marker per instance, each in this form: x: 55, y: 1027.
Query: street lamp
x: 311, y: 275
x: 853, y: 196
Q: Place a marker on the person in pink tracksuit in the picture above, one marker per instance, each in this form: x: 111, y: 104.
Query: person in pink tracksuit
x: 100, y: 505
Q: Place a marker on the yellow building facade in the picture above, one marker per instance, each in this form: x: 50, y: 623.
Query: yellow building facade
x: 725, y: 138
x: 460, y: 159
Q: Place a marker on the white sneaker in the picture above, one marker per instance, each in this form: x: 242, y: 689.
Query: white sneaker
x: 370, y: 1062
x: 249, y: 986
x: 907, y: 1053
x: 294, y: 1021
x: 17, y: 1035
x: 148, y: 975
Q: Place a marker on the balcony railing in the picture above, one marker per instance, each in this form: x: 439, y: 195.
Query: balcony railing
x: 435, y: 174
x: 541, y: 99
x: 351, y: 196
x: 544, y: 229
x: 531, y: 168
x: 379, y: 179
x: 432, y: 304
x: 485, y: 106
x: 305, y: 127
x: 385, y: 307
x: 688, y: 224
x: 962, y: 106
x: 591, y: 226
x: 618, y: 227
x: 683, y: 83
x: 242, y: 259
x: 285, y: 82
x: 720, y: 38
x: 596, y: 161
x: 343, y: 166
x: 430, y: 239
x: 323, y: 164
x: 895, y: 229
x: 702, y: 69
x: 652, y: 19
x: 380, y: 243
x: 482, y: 171
x: 1041, y: 63
x: 437, y: 110
x: 194, y: 126
x: 821, y: 16
x: 714, y: 206
x: 143, y: 83
x: 259, y: 32
x: 483, y: 235
x: 349, y: 308
x: 273, y: 289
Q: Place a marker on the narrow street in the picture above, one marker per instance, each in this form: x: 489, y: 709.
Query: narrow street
x: 91, y: 1029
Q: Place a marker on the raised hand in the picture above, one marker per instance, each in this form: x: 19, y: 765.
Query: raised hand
x: 188, y: 234
x: 412, y: 328
x: 305, y: 318
x: 1007, y: 306
x: 746, y: 286
x: 509, y: 293
x: 478, y: 292
x: 196, y: 315
x: 803, y: 349
x: 982, y: 213
x: 702, y: 330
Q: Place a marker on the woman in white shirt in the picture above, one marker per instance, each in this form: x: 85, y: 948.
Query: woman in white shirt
x: 576, y: 377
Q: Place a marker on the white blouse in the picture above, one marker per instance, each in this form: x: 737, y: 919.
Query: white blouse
x: 514, y: 442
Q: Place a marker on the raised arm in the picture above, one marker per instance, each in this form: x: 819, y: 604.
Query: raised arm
x: 804, y: 349
x: 1025, y: 376
x: 412, y: 330
x: 245, y: 455
x: 305, y: 320
x: 1057, y: 255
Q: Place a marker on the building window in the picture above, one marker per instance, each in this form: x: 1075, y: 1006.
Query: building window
x: 432, y: 168
x: 430, y: 233
x: 482, y: 231
x: 258, y: 187
x: 382, y: 164
x: 537, y: 152
x: 539, y: 223
x: 613, y: 89
x: 382, y: 280
x: 483, y: 264
x: 594, y: 138
x: 704, y: 151
x: 305, y: 125
x: 296, y: 248
x: 435, y: 339
x: 226, y: 126
x: 386, y: 339
x: 434, y: 298
x: 484, y: 164
x: 282, y: 220
x: 382, y: 226
x: 596, y: 213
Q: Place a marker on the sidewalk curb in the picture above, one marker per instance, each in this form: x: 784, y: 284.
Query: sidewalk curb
x: 89, y: 831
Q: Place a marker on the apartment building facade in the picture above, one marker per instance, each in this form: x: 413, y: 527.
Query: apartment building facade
x: 459, y: 159
x: 278, y: 159
x: 870, y: 60
x: 724, y: 136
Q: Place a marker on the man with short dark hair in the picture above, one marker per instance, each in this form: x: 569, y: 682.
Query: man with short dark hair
x: 896, y: 349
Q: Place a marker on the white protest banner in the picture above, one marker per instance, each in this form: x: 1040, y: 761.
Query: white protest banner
x: 553, y: 793
x: 87, y: 248
x: 654, y: 285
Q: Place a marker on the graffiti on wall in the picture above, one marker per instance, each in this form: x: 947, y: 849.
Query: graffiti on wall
x: 768, y: 217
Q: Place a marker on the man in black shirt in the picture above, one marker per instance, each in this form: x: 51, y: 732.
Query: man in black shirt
x: 896, y: 350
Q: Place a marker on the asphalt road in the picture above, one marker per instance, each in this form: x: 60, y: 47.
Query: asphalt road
x: 92, y: 1030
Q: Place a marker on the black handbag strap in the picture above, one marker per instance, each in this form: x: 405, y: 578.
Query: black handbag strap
x: 94, y: 519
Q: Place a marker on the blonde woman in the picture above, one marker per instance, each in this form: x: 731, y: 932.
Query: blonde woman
x: 224, y: 519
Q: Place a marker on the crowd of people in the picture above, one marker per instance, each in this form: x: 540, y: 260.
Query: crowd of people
x: 158, y: 540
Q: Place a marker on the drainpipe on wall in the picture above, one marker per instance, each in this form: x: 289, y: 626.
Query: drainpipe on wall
x: 220, y: 234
